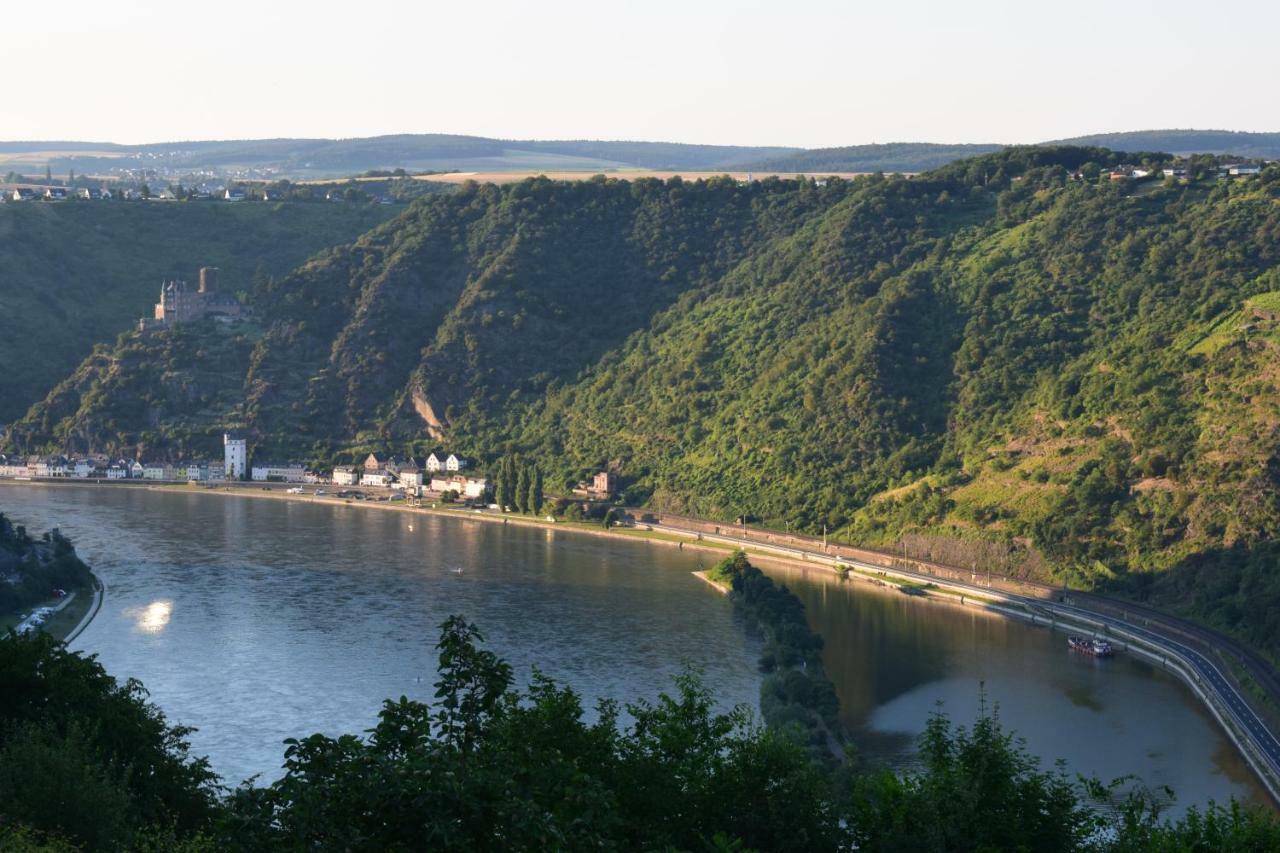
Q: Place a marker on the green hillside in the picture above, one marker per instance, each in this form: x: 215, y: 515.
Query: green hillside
x: 1238, y: 142
x: 1073, y: 379
x: 337, y: 157
x: 76, y: 274
x: 884, y: 157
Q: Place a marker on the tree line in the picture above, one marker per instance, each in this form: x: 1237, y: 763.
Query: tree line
x: 88, y: 763
x: 517, y: 485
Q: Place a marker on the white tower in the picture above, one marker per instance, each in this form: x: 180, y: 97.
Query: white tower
x: 235, y: 454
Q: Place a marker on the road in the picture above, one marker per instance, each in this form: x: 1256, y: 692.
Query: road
x: 1210, y: 677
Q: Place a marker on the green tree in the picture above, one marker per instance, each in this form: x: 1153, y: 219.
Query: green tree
x: 85, y: 756
x: 535, y: 498
x: 523, y: 484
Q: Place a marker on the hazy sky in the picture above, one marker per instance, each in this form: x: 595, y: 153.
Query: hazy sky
x: 788, y: 72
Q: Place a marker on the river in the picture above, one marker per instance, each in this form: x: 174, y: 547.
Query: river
x: 258, y: 620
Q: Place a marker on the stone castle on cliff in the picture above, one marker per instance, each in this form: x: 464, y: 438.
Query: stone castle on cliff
x: 181, y: 303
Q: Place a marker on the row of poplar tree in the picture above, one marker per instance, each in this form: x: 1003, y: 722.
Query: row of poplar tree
x: 518, y: 485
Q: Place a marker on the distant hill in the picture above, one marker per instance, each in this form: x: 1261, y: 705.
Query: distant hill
x: 888, y: 157
x: 1265, y: 145
x: 333, y: 157
x: 76, y: 274
x: 327, y: 158
x: 922, y: 156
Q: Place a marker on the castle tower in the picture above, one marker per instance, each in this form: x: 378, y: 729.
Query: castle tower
x: 235, y: 451
x: 208, y: 279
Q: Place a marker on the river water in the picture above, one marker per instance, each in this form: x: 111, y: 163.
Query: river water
x: 258, y: 620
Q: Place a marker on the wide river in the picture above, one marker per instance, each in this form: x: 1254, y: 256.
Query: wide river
x: 257, y: 620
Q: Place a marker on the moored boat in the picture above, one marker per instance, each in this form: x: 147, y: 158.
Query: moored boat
x: 1090, y: 646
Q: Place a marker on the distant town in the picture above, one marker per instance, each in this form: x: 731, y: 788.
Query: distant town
x: 437, y: 476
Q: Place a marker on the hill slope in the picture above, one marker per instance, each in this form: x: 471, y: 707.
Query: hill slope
x: 887, y: 157
x: 1241, y: 143
x: 990, y: 362
x: 72, y: 275
x: 332, y: 157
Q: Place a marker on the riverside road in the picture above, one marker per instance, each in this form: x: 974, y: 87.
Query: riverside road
x: 1209, y: 675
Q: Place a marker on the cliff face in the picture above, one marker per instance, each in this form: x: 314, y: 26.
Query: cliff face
x: 1073, y: 372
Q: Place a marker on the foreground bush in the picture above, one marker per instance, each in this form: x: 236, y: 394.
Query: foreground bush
x: 87, y: 763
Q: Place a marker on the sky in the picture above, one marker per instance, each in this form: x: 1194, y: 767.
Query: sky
x: 809, y: 73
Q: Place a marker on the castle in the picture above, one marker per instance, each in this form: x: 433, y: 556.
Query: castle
x: 179, y: 303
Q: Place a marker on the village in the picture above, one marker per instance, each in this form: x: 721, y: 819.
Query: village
x: 438, y: 476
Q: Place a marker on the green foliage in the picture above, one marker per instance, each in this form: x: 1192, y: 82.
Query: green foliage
x: 1006, y: 352
x: 87, y: 763
x: 59, y: 304
x: 886, y: 157
x: 87, y: 758
x: 31, y: 569
x: 796, y: 697
x: 980, y: 790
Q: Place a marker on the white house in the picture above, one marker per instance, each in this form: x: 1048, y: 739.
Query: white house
x: 51, y: 466
x: 136, y: 470
x: 467, y: 487
x: 411, y: 475
x: 117, y: 472
x: 278, y: 472
x: 153, y: 471
x: 233, y: 195
x: 455, y: 463
x: 435, y: 462
x: 14, y: 466
x: 235, y: 455
x: 383, y: 477
x: 346, y: 475
x: 1244, y: 170
x: 83, y: 468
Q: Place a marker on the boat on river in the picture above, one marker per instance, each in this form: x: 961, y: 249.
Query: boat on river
x: 1090, y: 646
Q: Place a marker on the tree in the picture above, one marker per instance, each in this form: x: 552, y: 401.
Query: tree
x: 523, y: 485
x: 506, y: 485
x: 86, y: 756
x: 534, y: 501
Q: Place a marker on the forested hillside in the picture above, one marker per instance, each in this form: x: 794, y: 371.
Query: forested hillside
x: 76, y: 274
x: 883, y: 157
x: 1238, y: 142
x: 1077, y: 376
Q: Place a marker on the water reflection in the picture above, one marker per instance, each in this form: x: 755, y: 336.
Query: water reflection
x: 298, y: 618
x: 896, y: 660
x: 153, y: 618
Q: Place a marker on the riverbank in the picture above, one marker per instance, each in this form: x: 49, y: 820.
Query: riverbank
x: 1198, y: 673
x: 70, y: 615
